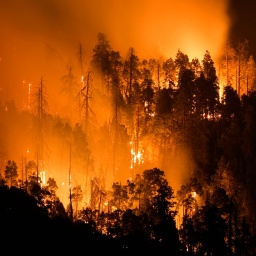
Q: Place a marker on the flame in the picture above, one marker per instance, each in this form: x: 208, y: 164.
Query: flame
x: 42, y: 176
x: 26, y: 95
x: 136, y: 157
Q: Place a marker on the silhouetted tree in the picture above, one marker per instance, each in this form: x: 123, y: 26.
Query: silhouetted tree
x: 77, y: 197
x: 70, y: 89
x: 230, y: 104
x: 11, y: 173
x: 40, y: 112
x: 51, y: 201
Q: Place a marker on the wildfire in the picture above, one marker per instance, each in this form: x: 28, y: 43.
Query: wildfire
x: 42, y: 175
x: 27, y: 95
x: 136, y: 156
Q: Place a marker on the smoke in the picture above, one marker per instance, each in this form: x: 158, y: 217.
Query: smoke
x: 162, y: 27
x: 40, y: 38
x: 156, y: 28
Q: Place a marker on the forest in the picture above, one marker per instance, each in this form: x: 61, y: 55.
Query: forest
x: 157, y: 155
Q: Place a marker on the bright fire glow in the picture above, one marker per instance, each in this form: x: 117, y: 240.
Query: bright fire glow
x: 42, y: 175
x: 26, y: 95
x: 136, y: 158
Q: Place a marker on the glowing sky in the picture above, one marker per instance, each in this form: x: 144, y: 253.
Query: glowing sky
x: 40, y: 37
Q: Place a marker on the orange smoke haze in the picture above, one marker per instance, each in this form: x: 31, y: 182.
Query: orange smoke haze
x: 40, y: 38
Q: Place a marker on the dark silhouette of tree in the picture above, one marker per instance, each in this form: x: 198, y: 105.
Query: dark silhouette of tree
x: 147, y: 100
x: 77, y: 197
x: 169, y: 73
x: 40, y: 112
x: 155, y: 213
x: 181, y: 61
x: 11, y: 173
x: 120, y: 196
x: 230, y: 144
x: 131, y: 75
x: 2, y: 180
x: 183, y: 105
x: 134, y: 235
x: 164, y: 102
x: 51, y: 201
x: 157, y: 199
x: 212, y: 87
x: 117, y: 109
x: 70, y: 89
x: 86, y: 98
x: 200, y: 132
x: 95, y: 193
x: 248, y: 147
x: 34, y: 187
x: 213, y: 233
x: 230, y: 103
x: 19, y: 212
x: 88, y: 216
x: 30, y: 169
x: 101, y: 60
x: 161, y: 127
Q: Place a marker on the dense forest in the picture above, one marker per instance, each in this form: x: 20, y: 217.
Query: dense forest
x: 125, y: 123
